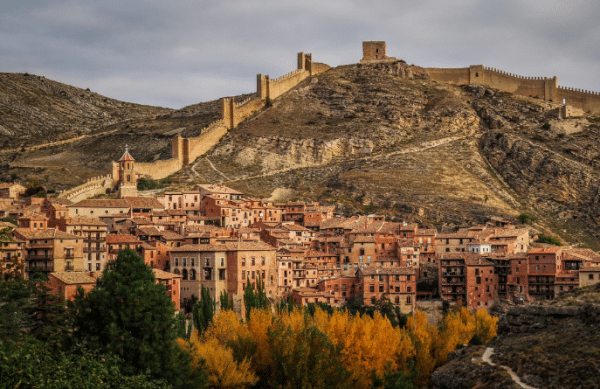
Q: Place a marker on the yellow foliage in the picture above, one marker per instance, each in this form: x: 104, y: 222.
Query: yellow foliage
x: 296, y: 319
x: 225, y: 327
x: 258, y: 326
x: 223, y: 371
x: 425, y: 337
x: 486, y: 326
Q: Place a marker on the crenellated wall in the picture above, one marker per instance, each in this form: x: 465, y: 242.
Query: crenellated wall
x: 541, y: 87
x: 186, y: 150
x: 92, y: 187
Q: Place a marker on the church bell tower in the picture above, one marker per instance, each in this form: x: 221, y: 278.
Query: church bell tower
x: 127, y: 177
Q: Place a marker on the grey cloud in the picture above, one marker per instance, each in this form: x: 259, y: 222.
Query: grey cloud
x: 182, y: 52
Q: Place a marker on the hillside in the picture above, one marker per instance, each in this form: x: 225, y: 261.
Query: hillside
x: 369, y: 138
x: 555, y: 345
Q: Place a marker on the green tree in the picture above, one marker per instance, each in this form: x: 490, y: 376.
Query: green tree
x: 203, y: 311
x: 226, y: 301
x: 130, y: 315
x: 549, y: 240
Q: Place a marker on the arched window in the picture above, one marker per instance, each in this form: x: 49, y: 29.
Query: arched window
x: 176, y: 271
x: 184, y: 273
x: 192, y: 274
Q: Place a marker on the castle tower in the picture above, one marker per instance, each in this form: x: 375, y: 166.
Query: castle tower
x: 127, y: 177
x: 374, y: 52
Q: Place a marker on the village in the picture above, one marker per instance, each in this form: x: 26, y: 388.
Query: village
x: 215, y: 237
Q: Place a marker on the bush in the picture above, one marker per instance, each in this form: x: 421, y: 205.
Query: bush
x: 549, y: 240
x: 546, y: 126
x: 526, y: 218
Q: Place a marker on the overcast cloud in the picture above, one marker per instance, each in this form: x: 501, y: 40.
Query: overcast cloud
x: 181, y: 52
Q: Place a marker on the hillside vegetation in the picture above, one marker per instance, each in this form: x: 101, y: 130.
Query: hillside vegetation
x: 378, y: 138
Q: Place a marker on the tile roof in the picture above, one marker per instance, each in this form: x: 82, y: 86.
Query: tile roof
x: 144, y: 202
x: 199, y: 248
x: 101, y: 203
x: 75, y: 277
x: 50, y: 233
x: 121, y: 238
x: 372, y: 270
x: 84, y: 221
x: 163, y: 275
x: 544, y: 250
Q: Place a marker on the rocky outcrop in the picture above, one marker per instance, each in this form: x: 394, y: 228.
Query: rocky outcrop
x: 534, y: 318
x: 558, y: 184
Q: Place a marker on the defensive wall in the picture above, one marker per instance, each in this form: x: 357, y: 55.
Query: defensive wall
x: 541, y: 87
x: 92, y: 187
x: 186, y: 150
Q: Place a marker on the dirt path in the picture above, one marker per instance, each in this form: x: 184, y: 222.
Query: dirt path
x: 486, y: 358
x: 59, y: 142
x: 213, y: 167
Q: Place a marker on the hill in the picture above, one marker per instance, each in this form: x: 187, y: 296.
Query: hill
x: 555, y: 345
x: 381, y: 138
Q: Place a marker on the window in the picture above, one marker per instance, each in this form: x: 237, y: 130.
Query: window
x: 222, y: 261
x: 253, y: 261
x: 262, y: 260
x: 380, y: 288
x: 372, y: 288
x: 221, y: 274
x: 478, y: 280
x: 243, y: 261
x: 362, y: 252
x: 408, y: 300
x: 397, y: 289
x: 207, y: 259
x: 381, y: 278
x: 408, y: 289
x: 253, y: 275
x: 192, y: 261
x: 184, y: 261
x: 243, y: 274
x: 176, y: 261
x: 591, y: 276
x: 447, y: 249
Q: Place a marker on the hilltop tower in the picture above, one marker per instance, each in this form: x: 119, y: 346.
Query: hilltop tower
x: 127, y: 177
x: 374, y: 51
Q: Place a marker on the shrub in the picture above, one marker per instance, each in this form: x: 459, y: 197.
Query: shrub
x: 549, y: 240
x: 526, y: 218
x: 546, y: 126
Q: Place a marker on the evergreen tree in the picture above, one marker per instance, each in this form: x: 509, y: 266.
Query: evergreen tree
x: 226, y: 301
x: 130, y: 315
x: 203, y: 311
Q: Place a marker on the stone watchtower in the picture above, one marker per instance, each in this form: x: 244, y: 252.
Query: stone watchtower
x: 127, y: 177
x: 374, y: 51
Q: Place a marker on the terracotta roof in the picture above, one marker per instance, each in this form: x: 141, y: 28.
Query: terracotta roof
x: 372, y: 270
x: 144, y: 202
x: 126, y: 156
x: 590, y: 268
x: 121, y: 238
x: 248, y: 246
x: 84, y: 221
x: 75, y: 277
x: 426, y: 232
x: 163, y: 275
x: 294, y: 227
x: 102, y: 203
x: 199, y: 248
x: 544, y: 250
x: 50, y: 233
x: 170, y: 235
x: 151, y: 231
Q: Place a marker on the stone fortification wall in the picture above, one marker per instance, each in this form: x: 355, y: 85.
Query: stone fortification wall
x: 583, y: 99
x: 279, y: 86
x: 158, y: 169
x: 92, y: 187
x: 210, y: 136
x: 541, y: 87
x: 458, y: 76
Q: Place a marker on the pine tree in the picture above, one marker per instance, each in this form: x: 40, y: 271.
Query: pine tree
x: 131, y: 315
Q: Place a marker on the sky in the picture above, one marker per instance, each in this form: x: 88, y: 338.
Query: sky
x: 181, y: 52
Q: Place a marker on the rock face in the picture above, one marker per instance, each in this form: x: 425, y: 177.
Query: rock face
x: 535, y: 318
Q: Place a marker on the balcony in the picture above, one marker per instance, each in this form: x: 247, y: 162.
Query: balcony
x: 40, y: 257
x: 69, y: 267
x: 94, y: 249
x: 43, y: 267
x: 69, y: 255
x: 94, y: 240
